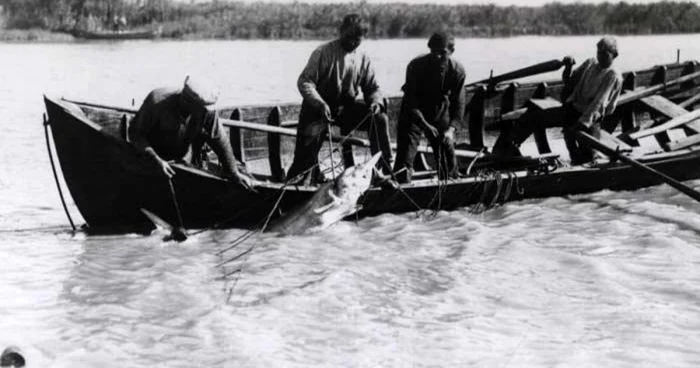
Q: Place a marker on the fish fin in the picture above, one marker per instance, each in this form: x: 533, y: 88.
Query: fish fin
x: 156, y: 220
x: 324, y: 208
x: 334, y: 201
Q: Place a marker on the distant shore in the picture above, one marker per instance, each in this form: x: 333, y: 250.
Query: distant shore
x: 34, y: 35
x: 29, y: 21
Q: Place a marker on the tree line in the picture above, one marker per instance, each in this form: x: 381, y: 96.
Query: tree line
x: 262, y: 20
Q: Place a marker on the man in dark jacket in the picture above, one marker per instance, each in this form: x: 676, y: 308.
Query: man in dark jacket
x: 433, y: 103
x: 171, y: 121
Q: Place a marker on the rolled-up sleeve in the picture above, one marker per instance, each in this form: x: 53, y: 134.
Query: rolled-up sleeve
x: 218, y: 139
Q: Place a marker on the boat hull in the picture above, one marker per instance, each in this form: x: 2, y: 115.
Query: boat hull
x: 110, y: 180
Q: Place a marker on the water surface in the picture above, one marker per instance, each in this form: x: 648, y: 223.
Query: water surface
x: 606, y: 279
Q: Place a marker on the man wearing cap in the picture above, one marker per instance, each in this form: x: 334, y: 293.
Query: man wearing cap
x: 333, y: 78
x: 170, y: 122
x: 590, y: 93
x: 433, y: 104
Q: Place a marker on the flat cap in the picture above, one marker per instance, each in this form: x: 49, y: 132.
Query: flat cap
x: 200, y: 91
x: 441, y: 40
x: 608, y: 43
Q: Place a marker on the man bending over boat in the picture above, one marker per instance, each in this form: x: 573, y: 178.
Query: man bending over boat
x: 433, y: 103
x: 590, y: 93
x: 170, y: 122
x: 330, y: 84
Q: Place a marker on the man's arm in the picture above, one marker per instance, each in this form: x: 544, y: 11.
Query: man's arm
x: 137, y: 132
x: 570, y: 78
x: 410, y: 95
x: 458, y: 98
x: 308, y: 80
x: 369, y: 85
x: 219, y: 141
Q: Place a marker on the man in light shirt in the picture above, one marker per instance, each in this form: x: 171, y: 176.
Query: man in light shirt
x: 591, y: 92
x: 333, y: 78
x: 596, y: 88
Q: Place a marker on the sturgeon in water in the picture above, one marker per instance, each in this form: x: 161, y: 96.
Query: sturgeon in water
x: 331, y: 203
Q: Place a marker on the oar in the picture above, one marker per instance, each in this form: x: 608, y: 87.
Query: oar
x: 613, y: 153
x: 545, y: 67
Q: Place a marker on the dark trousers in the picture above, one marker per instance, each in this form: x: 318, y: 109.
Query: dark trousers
x: 409, y: 135
x: 567, y: 116
x: 311, y: 133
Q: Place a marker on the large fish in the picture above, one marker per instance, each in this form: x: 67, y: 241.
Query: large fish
x: 331, y: 203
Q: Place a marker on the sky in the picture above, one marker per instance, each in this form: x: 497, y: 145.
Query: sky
x: 468, y: 2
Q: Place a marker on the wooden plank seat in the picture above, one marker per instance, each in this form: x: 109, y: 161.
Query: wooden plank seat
x: 663, y: 106
x: 687, y: 119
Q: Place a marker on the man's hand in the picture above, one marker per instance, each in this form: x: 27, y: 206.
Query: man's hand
x: 568, y: 61
x: 430, y: 131
x: 449, y: 136
x: 326, y: 113
x: 375, y: 108
x: 165, y: 167
x: 242, y: 179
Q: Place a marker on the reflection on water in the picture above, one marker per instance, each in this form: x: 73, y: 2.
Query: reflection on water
x: 608, y: 279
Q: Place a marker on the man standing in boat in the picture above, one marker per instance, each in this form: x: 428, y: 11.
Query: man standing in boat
x: 329, y: 84
x: 172, y: 123
x: 433, y: 103
x: 590, y: 93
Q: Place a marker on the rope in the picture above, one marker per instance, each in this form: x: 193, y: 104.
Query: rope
x: 55, y: 175
x: 175, y: 203
x: 330, y: 149
x: 262, y: 228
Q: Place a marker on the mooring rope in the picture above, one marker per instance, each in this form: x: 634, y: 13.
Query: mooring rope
x: 55, y: 175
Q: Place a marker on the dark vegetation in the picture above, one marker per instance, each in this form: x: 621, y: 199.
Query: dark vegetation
x: 221, y: 19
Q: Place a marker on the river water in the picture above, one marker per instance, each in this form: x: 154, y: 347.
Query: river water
x: 607, y: 279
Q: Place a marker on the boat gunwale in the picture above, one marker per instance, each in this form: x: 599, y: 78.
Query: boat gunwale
x: 264, y: 182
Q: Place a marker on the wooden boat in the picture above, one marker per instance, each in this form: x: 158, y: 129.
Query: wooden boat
x: 114, y: 35
x: 110, y: 180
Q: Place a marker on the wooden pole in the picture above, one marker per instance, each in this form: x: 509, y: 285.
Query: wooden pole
x: 648, y: 91
x: 352, y: 140
x: 675, y: 122
x: 613, y: 153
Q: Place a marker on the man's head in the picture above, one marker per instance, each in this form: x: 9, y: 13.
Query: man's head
x: 441, y: 45
x: 12, y: 357
x: 607, y: 51
x: 352, y: 31
x: 197, y: 94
